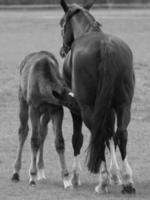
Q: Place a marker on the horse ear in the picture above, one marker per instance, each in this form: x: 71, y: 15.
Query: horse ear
x: 89, y: 5
x: 64, y: 5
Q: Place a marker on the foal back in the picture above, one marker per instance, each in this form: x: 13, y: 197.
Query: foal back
x: 39, y: 78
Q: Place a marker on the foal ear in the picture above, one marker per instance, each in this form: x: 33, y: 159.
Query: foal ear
x: 89, y: 5
x: 64, y: 5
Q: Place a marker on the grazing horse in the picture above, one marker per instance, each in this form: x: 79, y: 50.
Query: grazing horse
x: 99, y: 70
x: 42, y: 92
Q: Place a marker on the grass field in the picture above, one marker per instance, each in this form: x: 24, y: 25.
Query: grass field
x: 23, y: 32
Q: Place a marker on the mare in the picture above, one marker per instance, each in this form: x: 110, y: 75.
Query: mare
x: 98, y: 68
x: 42, y: 93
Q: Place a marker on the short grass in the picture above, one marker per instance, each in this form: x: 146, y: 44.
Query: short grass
x: 23, y: 32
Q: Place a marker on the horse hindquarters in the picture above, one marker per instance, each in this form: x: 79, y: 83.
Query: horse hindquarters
x: 105, y: 89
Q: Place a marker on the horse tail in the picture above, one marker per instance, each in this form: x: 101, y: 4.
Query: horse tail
x: 99, y: 135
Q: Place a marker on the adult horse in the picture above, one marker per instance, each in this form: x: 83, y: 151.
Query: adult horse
x: 99, y: 70
x: 42, y: 92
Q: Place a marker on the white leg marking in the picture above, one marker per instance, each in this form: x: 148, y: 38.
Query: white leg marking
x: 65, y: 175
x: 127, y: 175
x: 76, y: 171
x: 32, y: 177
x: 67, y: 182
x: 114, y: 168
x: 71, y: 94
x: 76, y: 163
x: 41, y: 174
x: 104, y: 182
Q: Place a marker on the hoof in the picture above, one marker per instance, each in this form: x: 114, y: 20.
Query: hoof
x: 32, y: 183
x: 67, y: 183
x: 128, y: 189
x: 115, y: 180
x: 15, y: 177
x: 76, y: 180
x: 41, y: 175
x: 100, y: 189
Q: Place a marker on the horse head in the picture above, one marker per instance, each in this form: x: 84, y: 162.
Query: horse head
x: 87, y: 6
x: 76, y: 21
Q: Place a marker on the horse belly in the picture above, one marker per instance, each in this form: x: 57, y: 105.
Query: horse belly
x: 85, y: 76
x: 84, y: 88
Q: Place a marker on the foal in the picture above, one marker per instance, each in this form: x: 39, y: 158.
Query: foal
x: 42, y: 93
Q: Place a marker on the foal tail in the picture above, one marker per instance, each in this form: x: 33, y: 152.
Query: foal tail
x: 96, y: 149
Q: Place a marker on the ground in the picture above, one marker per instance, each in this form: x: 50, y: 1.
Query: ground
x: 23, y: 32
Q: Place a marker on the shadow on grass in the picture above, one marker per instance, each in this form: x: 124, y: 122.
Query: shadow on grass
x: 87, y: 189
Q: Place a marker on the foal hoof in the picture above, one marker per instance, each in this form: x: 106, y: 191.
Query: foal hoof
x: 67, y: 183
x: 41, y: 175
x: 32, y: 183
x: 128, y: 189
x: 15, y: 177
x: 76, y: 180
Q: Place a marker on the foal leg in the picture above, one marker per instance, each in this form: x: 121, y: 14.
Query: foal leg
x: 60, y: 145
x: 35, y: 143
x: 104, y: 180
x: 77, y: 141
x: 43, y: 133
x: 22, y: 132
x: 123, y: 117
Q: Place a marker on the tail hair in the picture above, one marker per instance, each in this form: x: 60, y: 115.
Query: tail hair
x: 96, y: 149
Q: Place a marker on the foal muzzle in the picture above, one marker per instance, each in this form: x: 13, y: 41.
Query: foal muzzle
x: 64, y: 50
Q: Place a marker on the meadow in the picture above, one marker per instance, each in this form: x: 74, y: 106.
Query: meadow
x: 23, y: 32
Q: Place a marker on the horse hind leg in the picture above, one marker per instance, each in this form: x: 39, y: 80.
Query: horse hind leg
x: 123, y: 119
x: 77, y: 142
x: 103, y: 186
x: 35, y: 143
x: 43, y: 129
x: 60, y: 145
x: 114, y: 168
x: 22, y: 132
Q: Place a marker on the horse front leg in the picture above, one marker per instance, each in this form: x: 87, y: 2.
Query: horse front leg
x: 60, y: 145
x: 123, y: 116
x: 77, y: 141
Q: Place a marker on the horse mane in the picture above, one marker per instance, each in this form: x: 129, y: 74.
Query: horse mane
x: 76, y: 8
x: 95, y: 24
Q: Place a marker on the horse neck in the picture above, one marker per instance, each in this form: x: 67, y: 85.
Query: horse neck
x: 82, y: 25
